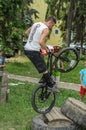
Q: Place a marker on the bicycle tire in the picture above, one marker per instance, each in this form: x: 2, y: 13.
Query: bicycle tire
x: 68, y: 59
x: 42, y: 106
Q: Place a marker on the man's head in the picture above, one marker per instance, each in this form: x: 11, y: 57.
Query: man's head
x: 50, y: 21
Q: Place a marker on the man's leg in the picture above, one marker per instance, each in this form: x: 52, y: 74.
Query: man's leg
x: 48, y: 79
x: 39, y: 62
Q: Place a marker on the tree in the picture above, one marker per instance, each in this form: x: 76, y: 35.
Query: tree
x: 15, y: 15
x: 69, y: 21
x: 72, y: 14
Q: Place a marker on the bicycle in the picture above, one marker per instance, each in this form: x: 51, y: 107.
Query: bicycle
x: 42, y: 99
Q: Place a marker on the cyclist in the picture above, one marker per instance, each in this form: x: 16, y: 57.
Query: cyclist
x: 37, y: 35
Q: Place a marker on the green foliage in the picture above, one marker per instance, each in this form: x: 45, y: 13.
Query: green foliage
x: 72, y: 14
x: 13, y: 21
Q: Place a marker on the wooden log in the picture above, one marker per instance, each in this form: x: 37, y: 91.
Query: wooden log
x: 3, y: 87
x: 75, y: 110
x: 53, y: 122
x: 55, y: 114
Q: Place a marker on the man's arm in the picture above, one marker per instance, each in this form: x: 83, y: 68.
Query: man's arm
x: 44, y: 35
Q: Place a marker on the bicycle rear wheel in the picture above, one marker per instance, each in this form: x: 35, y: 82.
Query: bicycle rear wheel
x: 42, y: 100
x: 66, y: 60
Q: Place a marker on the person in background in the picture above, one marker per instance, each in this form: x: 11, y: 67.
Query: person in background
x: 56, y: 75
x: 2, y: 63
x: 83, y: 82
x: 37, y: 35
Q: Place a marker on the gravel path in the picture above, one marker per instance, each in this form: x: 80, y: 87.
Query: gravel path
x: 35, y: 80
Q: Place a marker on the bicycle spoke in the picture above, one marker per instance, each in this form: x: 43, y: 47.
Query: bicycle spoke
x: 67, y: 60
x: 42, y: 101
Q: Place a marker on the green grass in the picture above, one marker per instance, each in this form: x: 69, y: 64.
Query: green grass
x: 18, y: 68
x: 17, y: 113
x: 73, y: 76
x: 28, y: 69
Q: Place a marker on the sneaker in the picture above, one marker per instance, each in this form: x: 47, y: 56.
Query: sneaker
x: 54, y: 88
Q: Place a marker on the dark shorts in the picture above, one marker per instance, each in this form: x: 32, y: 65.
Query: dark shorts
x: 37, y: 59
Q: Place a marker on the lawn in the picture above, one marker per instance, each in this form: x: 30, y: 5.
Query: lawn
x: 26, y: 68
x: 17, y: 113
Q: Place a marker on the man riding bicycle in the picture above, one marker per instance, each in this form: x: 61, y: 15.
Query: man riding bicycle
x: 37, y: 35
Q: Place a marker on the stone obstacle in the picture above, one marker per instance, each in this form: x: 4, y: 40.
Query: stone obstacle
x: 71, y: 116
x: 3, y: 87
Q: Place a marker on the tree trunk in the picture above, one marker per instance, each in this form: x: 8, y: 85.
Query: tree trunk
x: 3, y: 87
x: 69, y: 21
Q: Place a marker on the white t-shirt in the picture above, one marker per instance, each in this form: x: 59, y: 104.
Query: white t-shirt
x: 34, y: 36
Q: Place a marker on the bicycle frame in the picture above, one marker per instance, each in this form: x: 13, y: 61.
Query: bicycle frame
x: 44, y: 99
x: 50, y: 61
x: 68, y: 58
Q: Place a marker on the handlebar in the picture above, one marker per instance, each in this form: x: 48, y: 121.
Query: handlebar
x: 54, y: 49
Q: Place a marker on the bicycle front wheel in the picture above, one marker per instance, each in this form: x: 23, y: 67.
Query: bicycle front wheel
x: 42, y: 100
x: 66, y: 60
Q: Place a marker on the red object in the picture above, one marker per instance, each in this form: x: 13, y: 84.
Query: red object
x: 43, y: 52
x: 54, y: 49
x: 82, y: 90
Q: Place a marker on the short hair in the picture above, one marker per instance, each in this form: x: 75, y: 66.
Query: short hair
x: 50, y: 18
